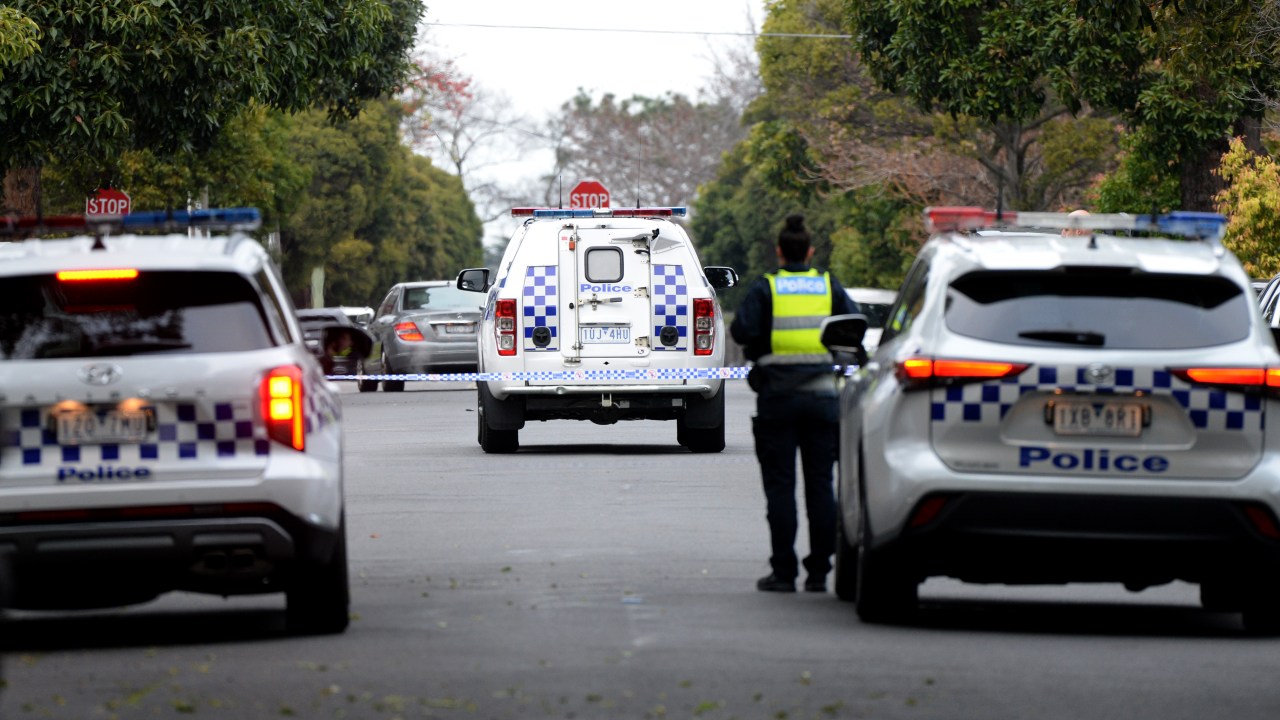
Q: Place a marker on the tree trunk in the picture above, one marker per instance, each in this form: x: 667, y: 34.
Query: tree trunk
x: 1200, y: 180
x: 21, y: 192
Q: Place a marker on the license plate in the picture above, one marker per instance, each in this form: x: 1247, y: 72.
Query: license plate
x: 86, y: 427
x: 460, y: 329
x: 605, y: 334
x: 1084, y: 417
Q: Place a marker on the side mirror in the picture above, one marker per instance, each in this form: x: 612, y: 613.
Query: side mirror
x: 1275, y: 335
x: 721, y: 277
x: 843, y: 334
x: 474, y: 280
x: 341, y: 337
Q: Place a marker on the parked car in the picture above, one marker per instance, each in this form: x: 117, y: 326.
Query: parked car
x: 339, y: 344
x: 1047, y: 409
x: 171, y: 432
x: 360, y: 315
x: 875, y: 304
x: 424, y: 327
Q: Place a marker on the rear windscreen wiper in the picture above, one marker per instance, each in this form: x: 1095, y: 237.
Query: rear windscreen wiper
x: 1066, y: 337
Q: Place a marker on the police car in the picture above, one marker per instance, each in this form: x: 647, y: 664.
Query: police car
x: 1048, y: 407
x: 600, y: 315
x: 162, y: 425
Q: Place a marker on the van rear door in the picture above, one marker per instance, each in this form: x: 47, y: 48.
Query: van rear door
x: 605, y: 310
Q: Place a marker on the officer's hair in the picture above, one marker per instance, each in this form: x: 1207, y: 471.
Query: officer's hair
x: 794, y: 240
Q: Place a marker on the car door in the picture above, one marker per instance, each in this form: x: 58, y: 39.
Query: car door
x: 606, y: 310
x: 383, y: 323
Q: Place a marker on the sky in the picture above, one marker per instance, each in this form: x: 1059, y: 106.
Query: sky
x: 601, y: 46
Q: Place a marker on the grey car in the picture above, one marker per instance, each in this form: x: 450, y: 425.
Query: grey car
x: 423, y: 327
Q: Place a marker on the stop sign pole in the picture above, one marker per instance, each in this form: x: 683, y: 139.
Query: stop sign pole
x: 588, y: 195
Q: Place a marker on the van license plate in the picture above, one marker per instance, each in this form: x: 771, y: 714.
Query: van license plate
x: 86, y: 427
x: 605, y: 334
x: 1083, y: 417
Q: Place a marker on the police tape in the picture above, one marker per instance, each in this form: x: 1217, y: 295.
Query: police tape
x: 721, y: 373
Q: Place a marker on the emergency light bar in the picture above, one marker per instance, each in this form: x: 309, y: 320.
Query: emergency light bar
x: 599, y: 212
x: 242, y: 218
x: 1186, y: 223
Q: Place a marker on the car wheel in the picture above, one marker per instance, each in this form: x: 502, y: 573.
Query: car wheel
x: 318, y: 600
x: 390, y: 385
x: 886, y: 590
x: 494, y: 441
x: 1261, y: 612
x: 703, y: 439
x: 364, y: 385
x: 846, y: 566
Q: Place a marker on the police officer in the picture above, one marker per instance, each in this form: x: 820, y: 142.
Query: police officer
x: 796, y: 408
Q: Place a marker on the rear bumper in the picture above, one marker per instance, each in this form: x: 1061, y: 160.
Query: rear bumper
x: 111, y: 558
x: 430, y: 355
x: 1016, y: 538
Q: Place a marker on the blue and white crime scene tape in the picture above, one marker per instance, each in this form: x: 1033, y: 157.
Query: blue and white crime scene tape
x: 721, y: 373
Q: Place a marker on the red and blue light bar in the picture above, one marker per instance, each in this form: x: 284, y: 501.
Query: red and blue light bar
x: 599, y: 212
x: 1185, y: 223
x: 246, y: 218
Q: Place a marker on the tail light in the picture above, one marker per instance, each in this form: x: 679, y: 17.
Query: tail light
x: 1262, y: 519
x: 281, y: 393
x: 505, y: 326
x: 408, y: 332
x: 95, y: 275
x: 1238, y: 378
x: 920, y: 372
x: 704, y: 326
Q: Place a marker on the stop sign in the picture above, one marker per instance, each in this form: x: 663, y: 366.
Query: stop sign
x: 588, y: 194
x: 107, y: 201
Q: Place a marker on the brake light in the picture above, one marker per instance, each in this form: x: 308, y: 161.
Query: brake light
x: 704, y: 326
x: 90, y: 275
x: 1242, y: 377
x: 923, y: 372
x: 409, y: 332
x: 505, y: 326
x: 1262, y: 519
x: 281, y: 394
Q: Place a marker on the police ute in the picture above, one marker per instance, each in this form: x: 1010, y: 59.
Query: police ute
x: 601, y: 315
x: 1064, y: 398
x: 162, y: 424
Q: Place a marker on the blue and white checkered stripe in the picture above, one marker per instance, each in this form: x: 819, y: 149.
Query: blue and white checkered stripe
x: 184, y: 431
x: 670, y: 305
x: 717, y: 373
x: 540, y: 306
x: 1207, y: 408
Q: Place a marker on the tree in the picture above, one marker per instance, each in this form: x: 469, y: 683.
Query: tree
x: 117, y: 75
x: 19, y: 37
x: 1251, y: 201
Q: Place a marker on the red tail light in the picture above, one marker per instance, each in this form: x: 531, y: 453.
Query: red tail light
x: 505, y: 326
x: 91, y: 275
x: 409, y: 332
x: 1262, y: 519
x: 704, y: 326
x: 281, y: 394
x: 924, y: 372
x: 1241, y: 377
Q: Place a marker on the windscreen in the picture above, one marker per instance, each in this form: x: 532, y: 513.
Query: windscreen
x: 155, y: 312
x: 1099, y: 307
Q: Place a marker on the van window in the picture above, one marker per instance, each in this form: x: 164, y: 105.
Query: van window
x: 604, y: 265
x: 1099, y: 307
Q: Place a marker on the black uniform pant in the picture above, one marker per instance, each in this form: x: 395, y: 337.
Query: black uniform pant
x: 784, y: 423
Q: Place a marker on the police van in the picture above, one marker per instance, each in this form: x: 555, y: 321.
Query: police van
x: 600, y: 315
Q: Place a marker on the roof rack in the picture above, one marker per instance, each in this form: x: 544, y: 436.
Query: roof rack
x: 240, y: 218
x: 1184, y: 223
x: 599, y: 212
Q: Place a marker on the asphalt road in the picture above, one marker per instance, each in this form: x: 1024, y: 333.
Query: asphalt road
x: 604, y: 572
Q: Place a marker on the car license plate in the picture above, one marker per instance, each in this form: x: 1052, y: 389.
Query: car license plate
x: 460, y: 329
x: 605, y: 334
x: 86, y: 427
x: 1109, y: 417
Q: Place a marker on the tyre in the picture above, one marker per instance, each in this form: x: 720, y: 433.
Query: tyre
x: 887, y: 592
x: 1261, y: 611
x: 318, y: 600
x: 701, y: 427
x: 846, y: 566
x: 390, y: 385
x: 493, y: 441
x: 700, y: 440
x: 365, y: 385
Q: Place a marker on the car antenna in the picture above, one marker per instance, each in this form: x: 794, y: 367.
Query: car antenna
x: 561, y: 176
x: 1000, y: 200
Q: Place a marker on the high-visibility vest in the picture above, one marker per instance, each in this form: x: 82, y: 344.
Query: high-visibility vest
x: 801, y: 301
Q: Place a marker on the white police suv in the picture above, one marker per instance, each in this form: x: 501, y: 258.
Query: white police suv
x: 1053, y: 407
x: 601, y: 315
x: 162, y: 425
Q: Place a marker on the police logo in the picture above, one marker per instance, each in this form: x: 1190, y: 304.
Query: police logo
x: 1098, y: 372
x: 100, y: 374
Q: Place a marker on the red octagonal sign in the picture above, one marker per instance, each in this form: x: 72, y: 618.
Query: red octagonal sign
x: 107, y: 201
x: 588, y: 195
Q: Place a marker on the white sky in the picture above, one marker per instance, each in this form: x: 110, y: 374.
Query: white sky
x: 541, y: 69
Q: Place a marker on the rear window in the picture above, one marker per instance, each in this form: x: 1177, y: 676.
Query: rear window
x: 1099, y: 307
x: 441, y: 297
x: 155, y: 312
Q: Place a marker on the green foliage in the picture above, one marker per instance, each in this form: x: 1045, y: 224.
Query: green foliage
x: 1251, y: 202
x: 19, y: 37
x: 1142, y: 183
x: 877, y: 241
x: 117, y: 75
